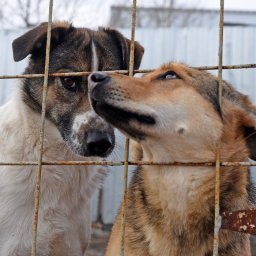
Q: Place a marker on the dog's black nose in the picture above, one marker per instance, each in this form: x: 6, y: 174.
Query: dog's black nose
x: 98, y: 77
x: 98, y: 143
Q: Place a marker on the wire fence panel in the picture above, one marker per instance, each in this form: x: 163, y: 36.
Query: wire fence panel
x: 200, y: 48
x: 197, y: 46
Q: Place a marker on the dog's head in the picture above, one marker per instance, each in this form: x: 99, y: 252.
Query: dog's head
x: 73, y: 50
x: 175, y: 109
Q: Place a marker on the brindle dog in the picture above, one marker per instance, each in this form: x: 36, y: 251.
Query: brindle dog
x: 72, y: 132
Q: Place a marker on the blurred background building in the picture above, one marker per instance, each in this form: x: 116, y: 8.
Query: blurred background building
x: 166, y: 17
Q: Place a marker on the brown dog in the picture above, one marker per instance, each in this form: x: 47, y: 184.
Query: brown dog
x: 175, y: 116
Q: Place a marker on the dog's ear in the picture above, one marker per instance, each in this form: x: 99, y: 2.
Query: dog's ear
x: 124, y: 44
x: 34, y: 41
x: 251, y: 142
x: 250, y: 134
x: 248, y: 124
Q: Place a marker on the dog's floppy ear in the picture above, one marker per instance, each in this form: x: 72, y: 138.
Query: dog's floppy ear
x: 124, y: 44
x: 34, y: 41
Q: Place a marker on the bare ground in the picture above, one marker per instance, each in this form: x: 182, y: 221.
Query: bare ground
x: 98, y: 243
x: 100, y: 239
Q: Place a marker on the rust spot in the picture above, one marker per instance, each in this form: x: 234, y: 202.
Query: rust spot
x: 240, y: 221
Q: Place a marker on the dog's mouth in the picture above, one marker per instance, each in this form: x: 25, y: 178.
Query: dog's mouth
x: 121, y: 118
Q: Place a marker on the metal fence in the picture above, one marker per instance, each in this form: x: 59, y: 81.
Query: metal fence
x: 197, y: 46
x: 218, y: 164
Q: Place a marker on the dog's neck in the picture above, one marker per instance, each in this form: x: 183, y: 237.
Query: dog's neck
x: 171, y: 152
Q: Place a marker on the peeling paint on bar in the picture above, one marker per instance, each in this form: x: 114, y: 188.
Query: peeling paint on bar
x: 240, y: 221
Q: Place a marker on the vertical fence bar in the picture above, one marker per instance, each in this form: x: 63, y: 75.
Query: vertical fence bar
x: 220, y: 53
x: 126, y: 164
x: 125, y: 182
x: 41, y: 138
x: 217, y: 217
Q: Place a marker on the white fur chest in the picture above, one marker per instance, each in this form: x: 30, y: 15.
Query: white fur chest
x: 64, y: 213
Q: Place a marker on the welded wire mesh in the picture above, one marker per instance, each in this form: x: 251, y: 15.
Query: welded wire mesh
x: 218, y: 164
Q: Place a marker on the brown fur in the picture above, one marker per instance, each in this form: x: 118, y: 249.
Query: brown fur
x: 170, y: 210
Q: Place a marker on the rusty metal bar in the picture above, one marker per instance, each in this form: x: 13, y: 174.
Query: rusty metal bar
x: 125, y: 72
x: 126, y: 163
x: 220, y: 53
x: 41, y: 137
x: 242, y: 66
x: 125, y: 182
x: 134, y: 163
x: 241, y: 221
x: 217, y: 217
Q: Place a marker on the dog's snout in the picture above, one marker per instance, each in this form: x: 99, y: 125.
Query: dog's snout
x: 98, y: 77
x: 99, y: 143
x: 97, y: 80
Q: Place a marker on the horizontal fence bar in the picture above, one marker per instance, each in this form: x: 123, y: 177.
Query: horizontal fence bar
x: 241, y: 66
x: 121, y: 163
x: 125, y: 72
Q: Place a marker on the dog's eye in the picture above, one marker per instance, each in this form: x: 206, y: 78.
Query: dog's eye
x: 168, y: 75
x: 70, y: 83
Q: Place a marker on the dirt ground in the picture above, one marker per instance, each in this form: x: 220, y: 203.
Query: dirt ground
x: 100, y: 239
x: 98, y: 243
x: 253, y: 245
